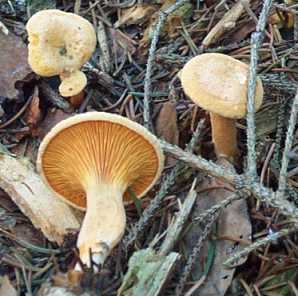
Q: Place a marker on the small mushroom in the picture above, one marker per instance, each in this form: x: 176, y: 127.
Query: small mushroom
x: 218, y: 84
x: 94, y: 161
x: 59, y: 44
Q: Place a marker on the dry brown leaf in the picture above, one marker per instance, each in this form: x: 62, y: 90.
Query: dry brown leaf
x: 137, y: 14
x: 243, y: 32
x: 166, y: 123
x: 33, y: 113
x: 167, y: 127
x: 122, y: 43
x: 173, y: 21
x: 233, y: 226
x: 52, y: 118
x: 29, y: 234
x: 13, y: 64
x: 6, y: 288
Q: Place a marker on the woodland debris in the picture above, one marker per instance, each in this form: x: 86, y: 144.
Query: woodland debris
x: 148, y: 270
x: 227, y: 23
x: 166, y: 126
x: 47, y: 213
x: 137, y: 14
x: 6, y: 288
x: 13, y: 64
x: 232, y: 233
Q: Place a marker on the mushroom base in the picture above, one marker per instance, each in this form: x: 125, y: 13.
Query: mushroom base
x: 104, y: 223
x: 224, y: 136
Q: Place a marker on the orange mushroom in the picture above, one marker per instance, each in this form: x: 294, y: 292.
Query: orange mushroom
x: 59, y: 44
x: 218, y: 84
x: 90, y: 161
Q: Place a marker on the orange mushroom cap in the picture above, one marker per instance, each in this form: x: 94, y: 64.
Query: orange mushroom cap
x: 99, y: 147
x: 218, y: 83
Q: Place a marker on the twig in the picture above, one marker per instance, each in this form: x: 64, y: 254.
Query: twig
x: 147, y: 84
x: 221, y: 205
x: 262, y: 193
x: 261, y: 242
x: 175, y: 228
x: 166, y: 184
x: 256, y: 40
x: 105, y: 57
x: 227, y: 22
x: 288, y: 145
x: 277, y: 81
x: 54, y: 97
x: 194, y: 255
x: 201, y: 163
x: 17, y: 115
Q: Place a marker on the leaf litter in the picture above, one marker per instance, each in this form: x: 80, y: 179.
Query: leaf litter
x: 29, y: 261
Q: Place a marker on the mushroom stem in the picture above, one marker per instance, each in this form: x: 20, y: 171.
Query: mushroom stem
x: 104, y: 223
x: 72, y: 83
x: 224, y: 136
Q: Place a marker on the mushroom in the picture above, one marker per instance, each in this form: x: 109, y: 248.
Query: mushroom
x: 92, y: 161
x: 59, y: 44
x: 218, y: 84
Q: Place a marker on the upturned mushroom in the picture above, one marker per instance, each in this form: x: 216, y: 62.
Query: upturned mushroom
x: 59, y: 44
x: 218, y: 84
x: 92, y: 161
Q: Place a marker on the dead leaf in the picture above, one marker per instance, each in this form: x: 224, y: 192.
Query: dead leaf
x: 243, y: 32
x: 77, y: 100
x: 167, y: 127
x: 137, y: 14
x: 33, y: 113
x: 7, y: 289
x: 28, y: 233
x: 52, y: 118
x: 174, y: 20
x: 166, y: 123
x: 122, y: 43
x: 13, y: 64
x: 233, y: 226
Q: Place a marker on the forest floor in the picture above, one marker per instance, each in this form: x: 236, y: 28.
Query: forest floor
x: 142, y: 46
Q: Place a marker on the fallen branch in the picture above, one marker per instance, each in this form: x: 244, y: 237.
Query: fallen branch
x: 47, y: 213
x: 239, y: 181
x: 256, y: 41
x: 227, y: 22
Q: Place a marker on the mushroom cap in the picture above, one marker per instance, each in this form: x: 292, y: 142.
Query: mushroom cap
x: 59, y: 42
x: 218, y: 83
x: 72, y: 84
x: 99, y: 147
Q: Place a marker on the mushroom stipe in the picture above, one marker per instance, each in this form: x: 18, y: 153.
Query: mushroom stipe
x: 218, y: 83
x: 90, y: 160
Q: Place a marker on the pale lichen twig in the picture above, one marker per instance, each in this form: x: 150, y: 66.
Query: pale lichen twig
x: 259, y: 243
x: 166, y: 184
x: 282, y: 184
x: 256, y: 40
x: 221, y: 205
x: 194, y: 254
x: 155, y: 36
